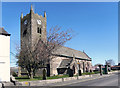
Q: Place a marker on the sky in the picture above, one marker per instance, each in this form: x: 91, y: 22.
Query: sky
x: 94, y: 24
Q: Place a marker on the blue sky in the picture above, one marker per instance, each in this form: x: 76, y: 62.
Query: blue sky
x: 95, y: 25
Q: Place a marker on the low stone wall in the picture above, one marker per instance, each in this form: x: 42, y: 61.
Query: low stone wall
x: 0, y: 85
x: 42, y: 82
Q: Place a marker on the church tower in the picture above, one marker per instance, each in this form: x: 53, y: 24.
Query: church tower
x: 33, y: 26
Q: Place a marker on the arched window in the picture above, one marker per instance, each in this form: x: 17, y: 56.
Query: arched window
x: 87, y: 64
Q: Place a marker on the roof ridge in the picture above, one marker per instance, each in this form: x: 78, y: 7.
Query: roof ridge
x: 66, y: 51
x: 3, y: 32
x: 86, y: 54
x: 71, y: 48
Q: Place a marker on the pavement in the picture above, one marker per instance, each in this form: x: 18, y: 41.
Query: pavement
x: 111, y: 80
x: 95, y: 80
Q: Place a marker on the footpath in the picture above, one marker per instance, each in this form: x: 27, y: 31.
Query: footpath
x: 51, y: 82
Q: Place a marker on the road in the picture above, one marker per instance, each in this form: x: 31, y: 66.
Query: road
x: 105, y: 80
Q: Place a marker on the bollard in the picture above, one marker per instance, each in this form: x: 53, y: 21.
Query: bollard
x: 44, y: 74
x: 62, y: 79
x: 70, y: 73
x: 80, y: 74
x: 77, y: 77
x: 29, y: 83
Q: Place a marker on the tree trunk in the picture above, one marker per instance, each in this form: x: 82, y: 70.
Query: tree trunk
x: 31, y: 74
x: 28, y: 73
x: 34, y: 72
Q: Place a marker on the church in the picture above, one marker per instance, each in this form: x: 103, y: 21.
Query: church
x: 33, y: 26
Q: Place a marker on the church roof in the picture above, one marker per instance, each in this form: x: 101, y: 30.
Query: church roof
x: 3, y: 32
x: 68, y: 52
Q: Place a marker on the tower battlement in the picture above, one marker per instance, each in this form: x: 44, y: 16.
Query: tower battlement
x: 33, y: 27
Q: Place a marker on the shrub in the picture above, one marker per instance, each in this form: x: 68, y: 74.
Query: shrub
x: 14, y: 74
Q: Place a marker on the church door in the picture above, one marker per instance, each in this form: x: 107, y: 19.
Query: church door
x: 48, y: 70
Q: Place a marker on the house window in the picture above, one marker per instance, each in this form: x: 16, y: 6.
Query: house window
x: 39, y: 30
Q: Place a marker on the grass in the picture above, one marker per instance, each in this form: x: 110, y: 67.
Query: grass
x: 40, y: 78
x: 52, y: 77
x: 89, y: 73
x: 96, y: 72
x: 58, y: 76
x: 113, y: 70
x: 28, y: 79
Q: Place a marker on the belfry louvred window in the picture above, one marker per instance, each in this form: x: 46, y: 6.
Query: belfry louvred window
x: 39, y: 30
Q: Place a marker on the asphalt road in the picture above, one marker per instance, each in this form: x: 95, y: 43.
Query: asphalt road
x: 106, y: 80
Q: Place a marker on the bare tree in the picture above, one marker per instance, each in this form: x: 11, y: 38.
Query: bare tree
x: 110, y: 62
x: 33, y: 57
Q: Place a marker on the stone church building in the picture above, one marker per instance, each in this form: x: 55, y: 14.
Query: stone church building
x: 34, y: 26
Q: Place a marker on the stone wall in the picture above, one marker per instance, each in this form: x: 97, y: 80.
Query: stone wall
x: 55, y: 62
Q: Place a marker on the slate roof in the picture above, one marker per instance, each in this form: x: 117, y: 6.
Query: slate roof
x: 65, y: 51
x: 65, y: 63
x: 3, y: 32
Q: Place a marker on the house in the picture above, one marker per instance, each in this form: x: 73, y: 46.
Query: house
x: 4, y: 55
